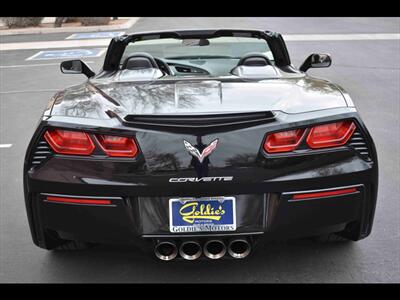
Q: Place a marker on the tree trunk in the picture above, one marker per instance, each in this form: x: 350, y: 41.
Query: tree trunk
x: 59, y: 21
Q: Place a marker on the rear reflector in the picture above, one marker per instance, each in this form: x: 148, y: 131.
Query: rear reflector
x: 324, y: 194
x: 69, y: 142
x: 283, y: 141
x: 330, y: 135
x: 117, y: 146
x: 77, y: 200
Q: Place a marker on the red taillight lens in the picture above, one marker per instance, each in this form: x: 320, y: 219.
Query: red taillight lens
x: 283, y: 141
x: 324, y: 194
x: 69, y: 142
x: 330, y: 135
x: 117, y: 146
x: 77, y: 200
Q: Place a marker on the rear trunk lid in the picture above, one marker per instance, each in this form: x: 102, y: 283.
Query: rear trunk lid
x: 198, y: 97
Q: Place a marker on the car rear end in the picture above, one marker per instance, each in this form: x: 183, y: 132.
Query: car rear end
x: 272, y: 175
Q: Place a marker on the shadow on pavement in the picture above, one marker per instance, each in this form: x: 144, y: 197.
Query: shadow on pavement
x: 269, y: 262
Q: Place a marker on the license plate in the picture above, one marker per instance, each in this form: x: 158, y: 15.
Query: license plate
x: 202, y: 214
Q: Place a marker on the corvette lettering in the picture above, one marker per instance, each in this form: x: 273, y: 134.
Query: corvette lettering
x: 202, y: 179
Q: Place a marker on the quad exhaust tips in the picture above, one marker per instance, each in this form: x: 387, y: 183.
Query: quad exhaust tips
x: 239, y: 248
x: 166, y: 250
x: 190, y: 250
x: 214, y: 249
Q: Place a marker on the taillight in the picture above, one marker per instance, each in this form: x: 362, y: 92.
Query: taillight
x: 330, y: 135
x: 77, y: 200
x: 320, y: 136
x: 283, y: 141
x: 322, y: 194
x: 69, y: 142
x: 117, y: 146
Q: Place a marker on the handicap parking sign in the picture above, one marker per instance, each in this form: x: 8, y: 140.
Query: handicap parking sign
x: 68, y: 53
x: 95, y: 35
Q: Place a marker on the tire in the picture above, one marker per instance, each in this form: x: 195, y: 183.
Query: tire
x: 73, y: 246
x: 330, y: 238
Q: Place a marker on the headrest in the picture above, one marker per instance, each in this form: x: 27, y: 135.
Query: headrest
x: 254, y: 60
x: 139, y: 61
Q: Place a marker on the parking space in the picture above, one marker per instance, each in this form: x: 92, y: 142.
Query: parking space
x: 67, y: 54
x: 369, y: 69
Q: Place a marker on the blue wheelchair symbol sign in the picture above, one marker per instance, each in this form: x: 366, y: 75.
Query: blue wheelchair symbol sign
x: 69, y: 53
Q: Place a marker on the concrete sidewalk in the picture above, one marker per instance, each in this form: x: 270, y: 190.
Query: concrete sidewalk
x: 129, y: 22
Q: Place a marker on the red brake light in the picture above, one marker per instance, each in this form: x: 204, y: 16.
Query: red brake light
x: 69, y: 142
x: 330, y: 135
x: 283, y: 141
x: 324, y: 194
x: 77, y: 200
x: 117, y: 146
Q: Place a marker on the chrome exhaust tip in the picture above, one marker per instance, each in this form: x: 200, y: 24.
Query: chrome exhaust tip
x: 190, y: 250
x: 166, y: 250
x: 214, y: 249
x: 239, y: 248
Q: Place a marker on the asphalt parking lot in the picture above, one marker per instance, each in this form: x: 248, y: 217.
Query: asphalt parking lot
x: 368, y: 69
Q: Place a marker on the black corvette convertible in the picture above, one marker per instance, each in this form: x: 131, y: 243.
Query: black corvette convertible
x: 199, y: 143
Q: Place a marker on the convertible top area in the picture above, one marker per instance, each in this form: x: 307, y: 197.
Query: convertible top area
x: 118, y: 44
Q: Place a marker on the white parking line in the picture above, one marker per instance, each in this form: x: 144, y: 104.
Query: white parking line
x: 37, y: 65
x: 288, y: 37
x: 341, y: 37
x: 94, y: 35
x: 5, y: 145
x: 31, y: 91
x: 55, y: 44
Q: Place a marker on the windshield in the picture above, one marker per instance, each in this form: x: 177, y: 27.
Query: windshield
x: 215, y: 56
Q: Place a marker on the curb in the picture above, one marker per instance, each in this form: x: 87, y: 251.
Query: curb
x: 40, y: 30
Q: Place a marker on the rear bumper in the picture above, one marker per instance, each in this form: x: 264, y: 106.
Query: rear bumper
x: 140, y: 220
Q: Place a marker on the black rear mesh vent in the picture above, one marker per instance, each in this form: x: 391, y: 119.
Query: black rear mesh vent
x: 357, y: 142
x: 199, y: 124
x: 40, y: 153
x: 195, y: 121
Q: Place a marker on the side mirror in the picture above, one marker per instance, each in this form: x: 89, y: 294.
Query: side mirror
x: 76, y: 66
x: 316, y: 60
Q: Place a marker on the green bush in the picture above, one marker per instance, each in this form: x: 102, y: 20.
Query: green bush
x: 90, y: 21
x: 19, y: 22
